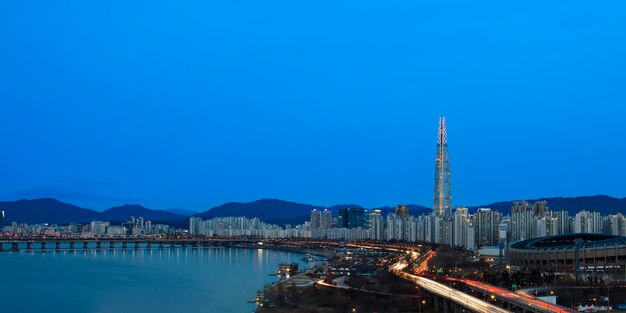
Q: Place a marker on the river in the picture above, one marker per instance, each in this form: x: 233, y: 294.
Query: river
x: 155, y: 281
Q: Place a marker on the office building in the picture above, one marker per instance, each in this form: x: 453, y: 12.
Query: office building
x: 442, y: 196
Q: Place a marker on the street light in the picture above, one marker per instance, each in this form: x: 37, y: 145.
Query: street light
x: 420, y: 305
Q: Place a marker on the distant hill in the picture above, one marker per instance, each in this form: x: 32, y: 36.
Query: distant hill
x: 282, y: 212
x: 299, y: 220
x: 53, y: 211
x: 124, y: 212
x: 183, y: 212
x: 414, y: 209
x: 46, y: 210
x: 263, y: 209
x: 336, y: 208
x: 601, y: 203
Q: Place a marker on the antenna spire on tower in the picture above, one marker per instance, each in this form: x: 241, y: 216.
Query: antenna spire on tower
x: 443, y: 134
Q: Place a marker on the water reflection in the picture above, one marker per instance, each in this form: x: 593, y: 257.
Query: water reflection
x: 216, y: 279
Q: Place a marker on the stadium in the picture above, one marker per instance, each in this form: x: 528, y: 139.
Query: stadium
x: 584, y: 253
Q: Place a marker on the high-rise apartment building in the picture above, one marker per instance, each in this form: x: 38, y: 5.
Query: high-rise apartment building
x: 394, y: 227
x: 327, y: 219
x: 316, y: 219
x: 520, y: 206
x: 402, y: 210
x: 195, y: 225
x: 616, y: 225
x: 539, y: 208
x: 375, y: 224
x: 487, y: 221
x: 463, y: 229
x: 442, y: 196
x: 587, y: 222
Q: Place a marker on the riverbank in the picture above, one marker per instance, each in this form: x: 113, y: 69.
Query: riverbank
x: 354, y: 280
x: 320, y: 252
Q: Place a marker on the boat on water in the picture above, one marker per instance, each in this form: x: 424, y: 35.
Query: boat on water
x: 308, y: 258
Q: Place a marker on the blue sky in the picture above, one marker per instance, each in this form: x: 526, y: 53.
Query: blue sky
x: 189, y: 104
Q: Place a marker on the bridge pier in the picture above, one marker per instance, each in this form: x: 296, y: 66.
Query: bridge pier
x: 160, y: 244
x: 124, y: 245
x: 57, y: 246
x: 43, y: 245
x: 28, y: 245
x: 1, y: 246
x: 445, y: 306
x: 71, y: 245
x: 86, y: 245
x: 136, y: 246
x: 148, y: 245
x: 98, y: 245
x: 14, y: 246
x: 436, y: 300
x: 111, y: 245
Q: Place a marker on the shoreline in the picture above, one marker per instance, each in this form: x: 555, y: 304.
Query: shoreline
x: 289, y: 249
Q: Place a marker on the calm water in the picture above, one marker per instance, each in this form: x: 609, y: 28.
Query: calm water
x: 168, y: 280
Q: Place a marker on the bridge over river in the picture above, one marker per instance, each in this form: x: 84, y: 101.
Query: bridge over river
x: 72, y: 243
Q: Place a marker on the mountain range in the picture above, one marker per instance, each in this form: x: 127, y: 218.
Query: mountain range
x: 47, y: 210
x: 274, y: 211
x: 601, y: 203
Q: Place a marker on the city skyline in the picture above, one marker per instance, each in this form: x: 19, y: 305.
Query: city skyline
x: 277, y: 156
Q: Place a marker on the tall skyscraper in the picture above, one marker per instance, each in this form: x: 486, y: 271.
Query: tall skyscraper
x: 443, y: 194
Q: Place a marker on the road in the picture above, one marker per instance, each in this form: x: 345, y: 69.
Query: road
x: 459, y: 297
x: 525, y: 300
x: 346, y: 287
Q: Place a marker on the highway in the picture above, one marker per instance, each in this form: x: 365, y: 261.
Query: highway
x: 346, y: 287
x: 423, y: 267
x: 459, y: 297
x: 525, y: 300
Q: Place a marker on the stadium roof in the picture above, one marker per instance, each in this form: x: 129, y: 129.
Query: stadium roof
x: 564, y: 242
